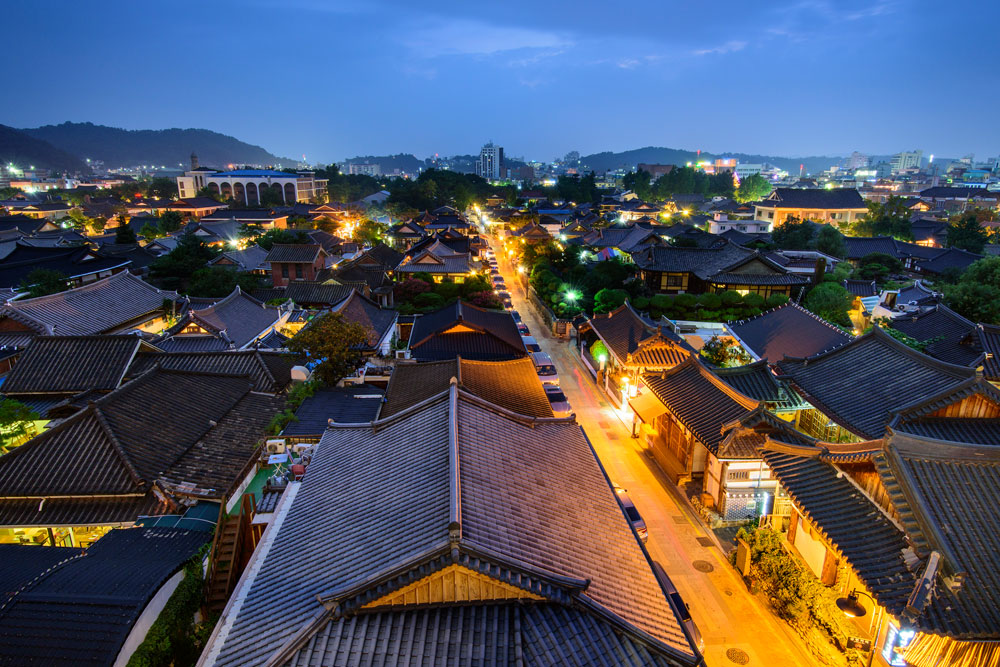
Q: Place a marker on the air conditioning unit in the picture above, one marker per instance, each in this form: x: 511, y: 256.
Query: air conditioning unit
x: 300, y: 447
x: 275, y: 446
x: 402, y: 354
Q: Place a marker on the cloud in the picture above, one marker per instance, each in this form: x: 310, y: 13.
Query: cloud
x: 465, y: 37
x: 731, y: 46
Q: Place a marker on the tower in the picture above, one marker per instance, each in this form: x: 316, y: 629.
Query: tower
x: 194, y: 161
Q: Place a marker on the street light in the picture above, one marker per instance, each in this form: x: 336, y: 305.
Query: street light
x: 572, y: 295
x: 852, y: 608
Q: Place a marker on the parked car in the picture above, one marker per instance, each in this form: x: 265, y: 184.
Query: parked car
x: 680, y: 607
x: 523, y: 329
x: 494, y: 271
x: 632, y: 513
x: 557, y: 399
x: 531, y: 344
x: 498, y: 280
x: 507, y: 303
x: 546, y: 370
x: 503, y: 294
x: 516, y: 315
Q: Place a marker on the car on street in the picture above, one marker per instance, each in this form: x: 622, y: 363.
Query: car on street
x: 546, y: 370
x: 680, y: 607
x: 531, y: 344
x: 494, y: 271
x: 516, y: 315
x: 557, y: 399
x: 503, y: 294
x: 632, y: 513
x: 523, y: 329
x: 507, y: 303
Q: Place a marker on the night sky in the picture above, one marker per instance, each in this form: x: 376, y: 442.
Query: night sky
x: 338, y: 79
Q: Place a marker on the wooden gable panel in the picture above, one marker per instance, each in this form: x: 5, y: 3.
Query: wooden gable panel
x: 453, y: 584
x: 976, y: 406
x: 754, y: 266
x: 460, y: 328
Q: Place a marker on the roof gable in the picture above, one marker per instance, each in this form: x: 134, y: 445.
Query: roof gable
x: 788, y: 330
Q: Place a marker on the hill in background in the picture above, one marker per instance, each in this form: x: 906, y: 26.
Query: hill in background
x: 170, y: 148
x: 601, y: 162
x: 25, y: 151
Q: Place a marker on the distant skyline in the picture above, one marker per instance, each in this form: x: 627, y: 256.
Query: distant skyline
x: 337, y: 79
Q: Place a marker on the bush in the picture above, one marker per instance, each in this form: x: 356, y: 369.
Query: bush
x: 640, y: 303
x: 710, y: 301
x: 662, y: 302
x: 731, y: 298
x: 685, y: 301
x: 776, y: 300
x: 428, y: 301
x: 753, y: 300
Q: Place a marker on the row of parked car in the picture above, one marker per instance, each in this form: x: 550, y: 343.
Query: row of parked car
x: 547, y: 373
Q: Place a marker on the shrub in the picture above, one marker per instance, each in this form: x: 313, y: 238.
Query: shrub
x: 662, y: 302
x: 753, y: 300
x: 685, y: 301
x: 776, y: 300
x: 709, y: 301
x: 428, y: 301
x: 731, y: 298
x: 640, y: 303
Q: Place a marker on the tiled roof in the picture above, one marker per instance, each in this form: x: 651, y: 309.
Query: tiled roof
x: 91, y: 600
x: 860, y: 384
x: 862, y: 246
x: 71, y: 364
x: 376, y: 320
x: 949, y: 258
x: 271, y: 372
x: 942, y: 191
x: 295, y: 253
x: 238, y: 319
x: 351, y: 404
x: 102, y: 306
x: 253, y: 258
x: 847, y: 518
x: 429, y: 262
x: 307, y: 293
x: 461, y: 329
x: 758, y: 382
x: 788, y: 330
x: 989, y: 340
x: 930, y: 417
x: 513, y: 385
x: 716, y: 262
x: 634, y: 342
x: 109, y: 449
x: 699, y: 400
x: 959, y: 344
x: 944, y: 494
x: 861, y: 287
x: 72, y: 261
x: 837, y: 198
x: 469, y: 492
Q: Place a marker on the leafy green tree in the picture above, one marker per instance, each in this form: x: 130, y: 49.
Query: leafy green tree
x: 369, y: 232
x: 966, y: 233
x: 170, y: 221
x: 794, y: 234
x: 79, y: 218
x: 151, y: 231
x: 125, y: 235
x: 15, y: 417
x: 831, y: 242
x: 831, y: 302
x: 638, y: 182
x: 208, y: 193
x: 877, y: 266
x: 162, y: 188
x: 42, y: 282
x: 607, y: 300
x: 976, y: 295
x: 753, y: 188
x: 267, y: 239
x: 174, y: 270
x: 219, y: 281
x: 891, y: 218
x: 331, y: 346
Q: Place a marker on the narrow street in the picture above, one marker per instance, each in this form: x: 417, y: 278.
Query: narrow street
x: 724, y: 611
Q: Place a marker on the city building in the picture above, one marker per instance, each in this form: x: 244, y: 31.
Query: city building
x: 906, y: 160
x: 490, y: 162
x: 743, y: 171
x: 253, y: 186
x: 840, y: 206
x: 364, y: 169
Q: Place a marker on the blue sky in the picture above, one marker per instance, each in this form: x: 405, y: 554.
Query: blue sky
x: 335, y: 79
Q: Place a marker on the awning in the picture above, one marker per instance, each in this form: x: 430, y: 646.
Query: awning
x: 647, y: 407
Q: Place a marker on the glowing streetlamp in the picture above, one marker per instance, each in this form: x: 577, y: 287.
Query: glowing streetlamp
x: 572, y: 295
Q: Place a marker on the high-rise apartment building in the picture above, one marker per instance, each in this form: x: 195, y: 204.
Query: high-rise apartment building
x: 490, y: 164
x: 906, y: 160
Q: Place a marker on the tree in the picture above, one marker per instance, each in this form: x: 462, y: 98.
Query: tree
x: 976, y: 295
x: 753, y: 188
x: 607, y: 300
x: 150, y: 231
x: 966, y: 233
x: 877, y: 266
x: 725, y: 352
x: 831, y: 302
x: 891, y: 218
x: 639, y: 183
x: 219, y: 281
x: 14, y: 418
x: 331, y: 346
x: 42, y: 282
x: 170, y: 221
x: 125, y: 235
x: 368, y: 232
x: 174, y: 270
x: 267, y: 239
x: 794, y: 234
x: 831, y: 242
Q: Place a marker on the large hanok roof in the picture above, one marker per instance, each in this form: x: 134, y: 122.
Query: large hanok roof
x: 294, y: 253
x: 814, y: 198
x: 89, y: 600
x: 100, y: 307
x: 968, y: 412
x: 868, y: 538
x: 945, y: 495
x: 788, y: 330
x: 466, y: 497
x: 756, y: 381
x: 860, y: 384
x: 989, y: 341
x: 634, y: 342
x: 949, y: 258
x: 461, y: 329
x: 513, y: 385
x: 361, y: 310
x: 72, y: 261
x: 958, y: 342
x: 108, y: 453
x: 699, y: 400
x: 351, y: 404
x: 238, y: 319
x: 270, y: 372
x: 862, y: 246
x: 71, y: 364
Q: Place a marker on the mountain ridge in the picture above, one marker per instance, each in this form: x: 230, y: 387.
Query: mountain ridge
x: 25, y: 151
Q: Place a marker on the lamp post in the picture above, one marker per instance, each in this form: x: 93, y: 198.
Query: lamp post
x: 854, y: 609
